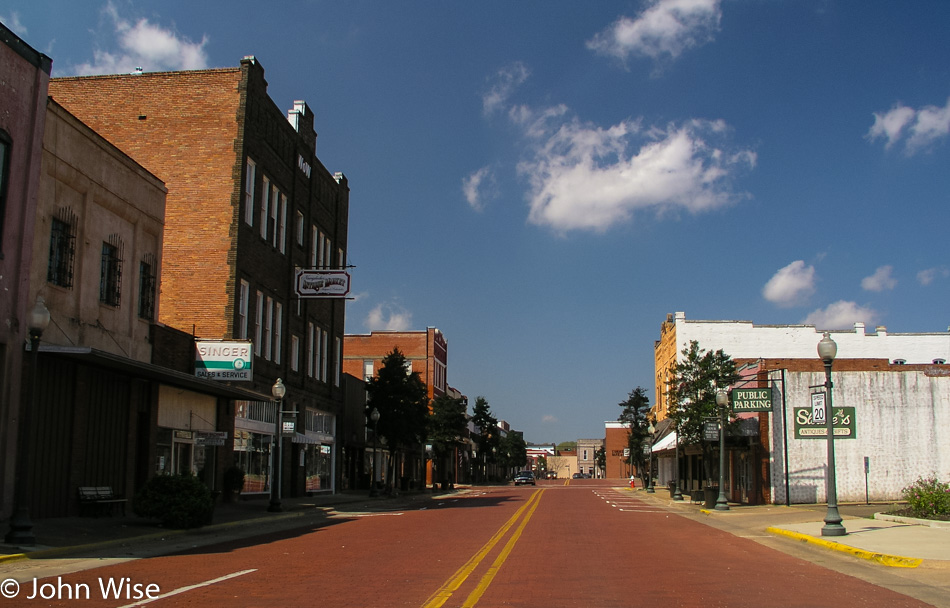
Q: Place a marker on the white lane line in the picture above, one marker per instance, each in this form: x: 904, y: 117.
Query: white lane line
x: 190, y: 587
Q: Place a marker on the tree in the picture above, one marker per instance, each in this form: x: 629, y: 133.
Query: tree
x: 691, y: 392
x: 636, y: 412
x: 486, y: 434
x: 447, y: 425
x: 600, y: 458
x: 402, y: 402
x: 512, y: 451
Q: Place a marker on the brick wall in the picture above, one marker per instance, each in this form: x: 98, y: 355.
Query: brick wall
x: 182, y: 127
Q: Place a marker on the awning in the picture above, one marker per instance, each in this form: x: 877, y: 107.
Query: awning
x: 666, y: 443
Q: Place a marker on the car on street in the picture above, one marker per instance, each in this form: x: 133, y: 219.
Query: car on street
x: 524, y: 478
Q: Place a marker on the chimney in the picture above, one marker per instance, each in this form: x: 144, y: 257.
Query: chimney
x: 301, y: 118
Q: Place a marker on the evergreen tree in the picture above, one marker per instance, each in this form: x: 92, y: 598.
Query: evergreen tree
x: 636, y: 413
x: 402, y: 402
x: 486, y: 435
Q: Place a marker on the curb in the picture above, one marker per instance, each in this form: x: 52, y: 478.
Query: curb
x: 894, y: 561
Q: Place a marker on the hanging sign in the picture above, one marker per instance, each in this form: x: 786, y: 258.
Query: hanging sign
x: 752, y: 399
x: 843, y: 421
x: 322, y: 283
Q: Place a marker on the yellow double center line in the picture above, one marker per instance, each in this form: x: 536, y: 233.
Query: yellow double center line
x: 441, y: 596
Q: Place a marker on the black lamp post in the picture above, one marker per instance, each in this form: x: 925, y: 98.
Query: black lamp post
x: 374, y: 416
x: 677, y: 492
x: 827, y: 349
x: 722, y: 400
x: 21, y: 526
x: 278, y: 391
x: 650, y: 490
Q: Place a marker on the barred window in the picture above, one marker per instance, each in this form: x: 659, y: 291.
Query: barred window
x: 62, y: 249
x: 147, y: 288
x: 110, y: 276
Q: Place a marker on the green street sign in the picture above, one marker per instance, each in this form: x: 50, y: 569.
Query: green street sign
x: 843, y: 424
x: 752, y: 400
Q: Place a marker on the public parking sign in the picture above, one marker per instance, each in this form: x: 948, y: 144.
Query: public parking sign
x: 752, y: 399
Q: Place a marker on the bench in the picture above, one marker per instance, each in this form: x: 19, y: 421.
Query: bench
x: 100, y: 499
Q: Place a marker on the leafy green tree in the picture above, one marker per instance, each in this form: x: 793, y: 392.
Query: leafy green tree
x: 447, y: 427
x: 636, y: 413
x: 692, y: 395
x: 402, y: 402
x: 486, y: 435
x: 512, y: 451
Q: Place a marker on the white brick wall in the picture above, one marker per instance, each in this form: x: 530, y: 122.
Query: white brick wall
x: 902, y: 425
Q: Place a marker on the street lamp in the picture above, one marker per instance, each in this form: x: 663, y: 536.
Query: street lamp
x: 827, y: 349
x: 722, y: 400
x: 374, y: 416
x: 650, y: 490
x: 677, y: 493
x: 21, y: 527
x: 278, y: 391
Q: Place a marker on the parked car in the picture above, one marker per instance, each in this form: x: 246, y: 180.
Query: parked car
x: 577, y: 476
x: 524, y: 478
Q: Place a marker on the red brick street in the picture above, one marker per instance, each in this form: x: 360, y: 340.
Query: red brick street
x: 562, y: 543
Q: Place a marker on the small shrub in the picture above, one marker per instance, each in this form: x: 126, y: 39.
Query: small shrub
x: 178, y: 501
x: 928, y: 498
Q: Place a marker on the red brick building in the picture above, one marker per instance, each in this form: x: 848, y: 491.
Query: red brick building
x: 248, y: 204
x: 425, y: 351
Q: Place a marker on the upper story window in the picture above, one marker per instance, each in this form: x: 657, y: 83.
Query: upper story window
x: 110, y: 276
x: 62, y: 249
x: 147, y: 287
x: 265, y: 206
x: 250, y: 176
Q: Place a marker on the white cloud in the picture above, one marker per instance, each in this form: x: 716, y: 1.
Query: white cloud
x: 666, y: 28
x: 841, y: 315
x: 549, y: 419
x: 478, y: 186
x: 880, y: 280
x: 919, y: 129
x: 146, y: 45
x: 791, y: 285
x: 388, y: 317
x: 503, y: 85
x: 583, y: 177
x: 928, y: 276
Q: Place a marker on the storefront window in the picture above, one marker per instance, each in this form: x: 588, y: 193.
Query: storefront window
x: 318, y: 465
x: 252, y: 452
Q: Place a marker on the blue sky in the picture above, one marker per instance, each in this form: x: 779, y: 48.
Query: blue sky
x: 545, y: 180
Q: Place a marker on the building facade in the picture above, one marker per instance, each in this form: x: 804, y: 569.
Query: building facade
x: 248, y: 205
x: 24, y: 78
x: 587, y: 457
x: 766, y: 461
x: 743, y: 340
x: 426, y: 353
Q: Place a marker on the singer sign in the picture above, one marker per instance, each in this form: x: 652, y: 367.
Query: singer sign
x: 322, y: 283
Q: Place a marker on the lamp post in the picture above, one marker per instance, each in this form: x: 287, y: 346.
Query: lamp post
x: 650, y: 490
x: 21, y: 526
x: 722, y: 400
x: 827, y: 349
x: 374, y: 416
x: 278, y: 391
x: 677, y: 493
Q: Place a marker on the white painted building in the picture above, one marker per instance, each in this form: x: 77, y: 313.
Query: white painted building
x: 902, y: 426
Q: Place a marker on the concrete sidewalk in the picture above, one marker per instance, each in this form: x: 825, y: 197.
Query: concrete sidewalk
x: 871, y: 534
